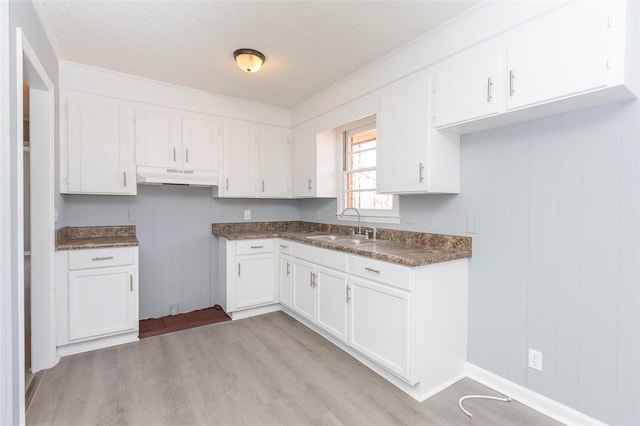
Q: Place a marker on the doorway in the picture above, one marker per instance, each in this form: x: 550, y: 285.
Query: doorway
x: 34, y: 217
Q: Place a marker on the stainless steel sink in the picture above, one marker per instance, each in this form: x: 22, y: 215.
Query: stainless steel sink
x: 340, y: 239
x: 324, y: 237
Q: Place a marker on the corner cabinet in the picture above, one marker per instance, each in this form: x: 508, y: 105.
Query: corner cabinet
x: 96, y: 145
x: 96, y: 298
x: 412, y: 156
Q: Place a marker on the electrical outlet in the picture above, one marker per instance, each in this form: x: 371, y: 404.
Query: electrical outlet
x: 535, y: 360
x: 247, y: 215
x: 133, y: 216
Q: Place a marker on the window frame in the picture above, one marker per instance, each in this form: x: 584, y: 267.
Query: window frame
x: 370, y: 215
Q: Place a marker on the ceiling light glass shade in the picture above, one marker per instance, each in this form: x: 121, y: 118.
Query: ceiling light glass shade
x: 248, y: 60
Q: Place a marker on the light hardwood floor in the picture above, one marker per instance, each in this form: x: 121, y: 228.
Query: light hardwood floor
x: 267, y: 370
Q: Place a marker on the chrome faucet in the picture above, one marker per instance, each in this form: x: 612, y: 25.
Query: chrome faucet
x: 374, y: 232
x: 358, y: 213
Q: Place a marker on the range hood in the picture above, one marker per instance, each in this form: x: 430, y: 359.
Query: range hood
x: 159, y: 176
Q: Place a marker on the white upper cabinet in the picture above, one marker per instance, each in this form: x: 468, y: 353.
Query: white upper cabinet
x: 177, y: 145
x: 96, y: 154
x: 575, y: 56
x: 413, y: 157
x: 256, y: 162
x: 274, y: 151
x: 157, y: 138
x: 469, y: 84
x: 314, y: 162
x: 201, y: 143
x: 239, y: 154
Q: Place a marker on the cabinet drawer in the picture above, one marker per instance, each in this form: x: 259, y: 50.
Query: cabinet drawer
x: 389, y: 273
x: 101, y: 258
x: 322, y: 257
x: 254, y: 246
x: 284, y: 246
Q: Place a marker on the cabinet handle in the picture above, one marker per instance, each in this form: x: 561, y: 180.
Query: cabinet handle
x: 124, y: 175
x: 283, y: 246
x: 309, y: 184
x: 238, y: 269
x: 262, y: 185
x: 187, y: 155
x: 227, y: 184
x: 375, y: 271
x: 489, y: 87
x: 130, y: 282
x: 102, y: 258
x: 288, y: 268
x: 257, y: 247
x: 348, y: 294
x: 174, y: 154
x: 512, y: 88
x: 313, y: 279
x: 421, y: 171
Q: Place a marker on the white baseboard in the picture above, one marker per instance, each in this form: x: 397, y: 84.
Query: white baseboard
x: 252, y: 312
x: 540, y: 403
x: 100, y: 343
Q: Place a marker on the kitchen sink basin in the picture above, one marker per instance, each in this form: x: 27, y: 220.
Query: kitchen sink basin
x: 340, y: 239
x: 324, y: 237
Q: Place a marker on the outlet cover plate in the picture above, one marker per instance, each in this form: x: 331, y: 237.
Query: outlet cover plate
x: 535, y: 360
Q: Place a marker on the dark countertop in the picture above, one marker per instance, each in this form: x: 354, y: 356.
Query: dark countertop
x: 401, y: 247
x: 88, y: 237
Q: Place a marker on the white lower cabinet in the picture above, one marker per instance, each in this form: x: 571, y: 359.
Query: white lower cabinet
x: 409, y: 324
x: 380, y: 322
x: 286, y: 280
x: 320, y: 288
x: 247, y: 274
x: 96, y: 297
x: 255, y: 282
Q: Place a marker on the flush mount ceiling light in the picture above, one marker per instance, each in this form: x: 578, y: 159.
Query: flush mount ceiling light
x: 249, y: 60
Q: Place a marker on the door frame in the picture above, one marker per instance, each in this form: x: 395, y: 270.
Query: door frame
x: 42, y: 142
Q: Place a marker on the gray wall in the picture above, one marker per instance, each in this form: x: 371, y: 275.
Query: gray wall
x: 178, y: 254
x: 555, y: 264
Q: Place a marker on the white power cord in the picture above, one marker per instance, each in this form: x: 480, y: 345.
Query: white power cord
x: 495, y: 398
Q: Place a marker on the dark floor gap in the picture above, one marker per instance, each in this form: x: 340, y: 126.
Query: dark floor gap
x: 170, y: 323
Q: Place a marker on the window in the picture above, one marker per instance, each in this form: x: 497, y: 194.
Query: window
x: 359, y: 175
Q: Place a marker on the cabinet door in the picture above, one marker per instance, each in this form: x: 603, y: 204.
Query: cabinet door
x: 158, y: 138
x: 303, y: 161
x: 470, y: 85
x: 101, y: 302
x: 98, y: 135
x: 239, y: 160
x: 547, y: 57
x: 255, y: 281
x: 201, y: 144
x: 286, y: 280
x: 332, y: 302
x: 380, y: 318
x: 274, y: 164
x: 401, y: 129
x: 304, y: 292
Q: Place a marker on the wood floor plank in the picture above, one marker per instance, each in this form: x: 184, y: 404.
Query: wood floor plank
x: 267, y: 370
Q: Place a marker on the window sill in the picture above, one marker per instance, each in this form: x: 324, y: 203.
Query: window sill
x: 369, y: 219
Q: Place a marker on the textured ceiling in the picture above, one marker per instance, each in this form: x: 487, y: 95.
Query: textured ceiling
x: 309, y: 45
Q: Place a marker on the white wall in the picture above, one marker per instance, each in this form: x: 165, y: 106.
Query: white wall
x: 555, y: 264
x: 178, y: 253
x: 23, y: 15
